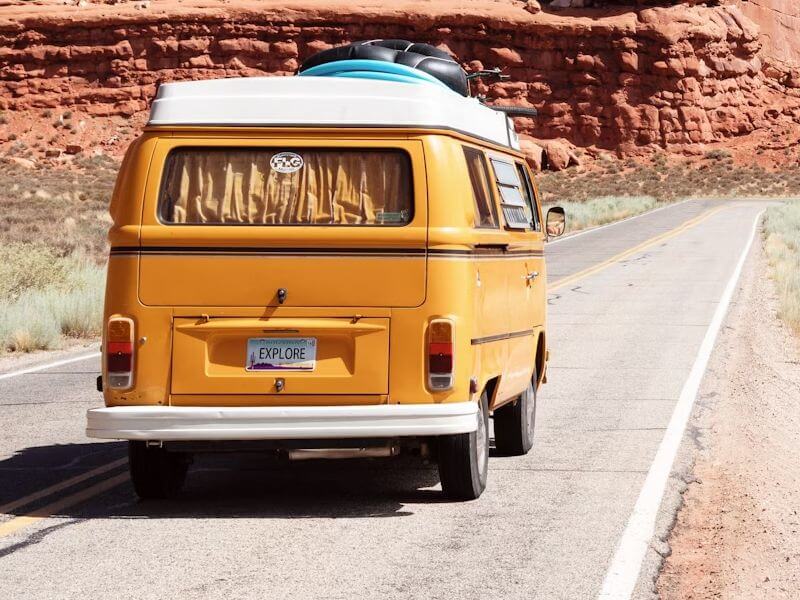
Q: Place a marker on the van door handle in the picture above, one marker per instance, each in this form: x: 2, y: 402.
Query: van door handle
x: 532, y: 275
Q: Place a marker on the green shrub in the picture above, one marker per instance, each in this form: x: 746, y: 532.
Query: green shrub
x: 44, y: 310
x: 717, y: 154
x: 28, y: 266
x: 79, y: 311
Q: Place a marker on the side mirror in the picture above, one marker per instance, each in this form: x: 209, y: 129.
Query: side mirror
x: 556, y: 222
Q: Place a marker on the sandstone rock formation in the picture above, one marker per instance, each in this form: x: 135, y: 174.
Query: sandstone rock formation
x: 779, y: 26
x: 623, y: 78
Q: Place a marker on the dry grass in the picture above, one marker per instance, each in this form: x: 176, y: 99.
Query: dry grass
x: 782, y: 230
x: 27, y: 266
x: 712, y: 177
x: 38, y: 312
x: 66, y: 210
x: 53, y: 249
x: 599, y: 211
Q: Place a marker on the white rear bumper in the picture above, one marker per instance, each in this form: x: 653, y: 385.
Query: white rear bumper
x: 172, y: 423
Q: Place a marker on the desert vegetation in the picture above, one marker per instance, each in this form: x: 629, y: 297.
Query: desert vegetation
x: 52, y: 252
x: 65, y: 209
x: 782, y: 245
x: 599, y: 211
x: 713, y: 175
x: 616, y: 189
x: 46, y: 299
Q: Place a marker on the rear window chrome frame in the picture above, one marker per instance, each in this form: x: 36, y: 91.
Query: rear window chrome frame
x: 527, y: 184
x: 163, y: 182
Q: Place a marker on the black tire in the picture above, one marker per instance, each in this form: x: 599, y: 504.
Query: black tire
x: 156, y: 473
x: 464, y: 459
x: 514, y: 423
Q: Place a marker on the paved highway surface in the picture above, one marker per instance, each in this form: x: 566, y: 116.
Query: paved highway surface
x: 629, y: 308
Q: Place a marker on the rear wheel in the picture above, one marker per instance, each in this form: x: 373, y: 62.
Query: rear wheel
x: 464, y: 458
x: 156, y: 473
x: 514, y: 423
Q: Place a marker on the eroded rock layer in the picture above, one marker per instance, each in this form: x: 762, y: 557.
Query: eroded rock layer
x: 624, y: 78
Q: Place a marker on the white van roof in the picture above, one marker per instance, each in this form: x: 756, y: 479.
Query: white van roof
x: 329, y: 102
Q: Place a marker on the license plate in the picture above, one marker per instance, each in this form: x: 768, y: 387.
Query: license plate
x: 281, y: 354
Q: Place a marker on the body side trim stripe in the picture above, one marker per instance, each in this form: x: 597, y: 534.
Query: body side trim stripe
x: 501, y: 336
x: 256, y: 251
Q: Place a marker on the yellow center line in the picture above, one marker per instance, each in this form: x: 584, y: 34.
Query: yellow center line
x: 51, y: 509
x: 7, y: 508
x: 556, y: 285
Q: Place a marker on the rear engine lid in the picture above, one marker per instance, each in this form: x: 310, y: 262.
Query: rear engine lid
x: 253, y: 276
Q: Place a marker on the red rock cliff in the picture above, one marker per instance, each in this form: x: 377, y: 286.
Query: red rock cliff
x: 627, y: 78
x: 779, y: 25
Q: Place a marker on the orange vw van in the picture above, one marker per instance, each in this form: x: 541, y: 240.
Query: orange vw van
x: 323, y: 266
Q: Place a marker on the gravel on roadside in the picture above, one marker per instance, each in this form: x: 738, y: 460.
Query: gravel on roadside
x: 737, y: 534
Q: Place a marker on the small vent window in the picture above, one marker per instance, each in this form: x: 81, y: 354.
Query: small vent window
x: 515, y: 209
x: 530, y: 197
x: 485, y: 212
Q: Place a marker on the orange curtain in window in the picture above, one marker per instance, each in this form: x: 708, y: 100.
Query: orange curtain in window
x: 240, y: 186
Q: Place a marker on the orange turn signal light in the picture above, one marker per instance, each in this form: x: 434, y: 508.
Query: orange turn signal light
x: 119, y: 353
x: 441, y: 334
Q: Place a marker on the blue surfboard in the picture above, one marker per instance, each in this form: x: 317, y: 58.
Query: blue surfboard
x: 372, y: 69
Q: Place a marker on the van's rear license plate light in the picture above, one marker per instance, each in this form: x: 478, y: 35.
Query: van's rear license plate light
x: 281, y: 354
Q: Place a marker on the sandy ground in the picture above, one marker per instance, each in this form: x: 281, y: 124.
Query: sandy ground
x: 738, y: 532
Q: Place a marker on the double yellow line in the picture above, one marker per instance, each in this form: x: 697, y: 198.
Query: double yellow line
x: 17, y: 523
x: 557, y: 285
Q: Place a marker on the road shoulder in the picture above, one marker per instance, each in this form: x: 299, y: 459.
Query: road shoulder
x: 736, y: 481
x: 10, y: 363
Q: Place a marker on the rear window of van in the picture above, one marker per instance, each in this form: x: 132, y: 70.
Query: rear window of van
x: 259, y: 186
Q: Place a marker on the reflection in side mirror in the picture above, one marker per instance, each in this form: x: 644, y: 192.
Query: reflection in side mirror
x: 556, y: 222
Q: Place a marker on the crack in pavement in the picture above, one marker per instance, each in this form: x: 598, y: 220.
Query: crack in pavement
x: 37, y: 536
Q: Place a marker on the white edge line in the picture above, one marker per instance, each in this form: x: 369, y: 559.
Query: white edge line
x: 50, y: 365
x: 625, y: 220
x: 623, y: 573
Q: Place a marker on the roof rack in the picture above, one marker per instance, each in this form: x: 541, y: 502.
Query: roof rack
x: 495, y: 73
x: 514, y: 111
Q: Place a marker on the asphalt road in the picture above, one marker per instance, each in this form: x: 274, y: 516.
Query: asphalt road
x: 629, y: 307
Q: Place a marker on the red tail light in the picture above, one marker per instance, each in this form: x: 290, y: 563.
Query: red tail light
x: 119, y: 353
x: 440, y: 354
